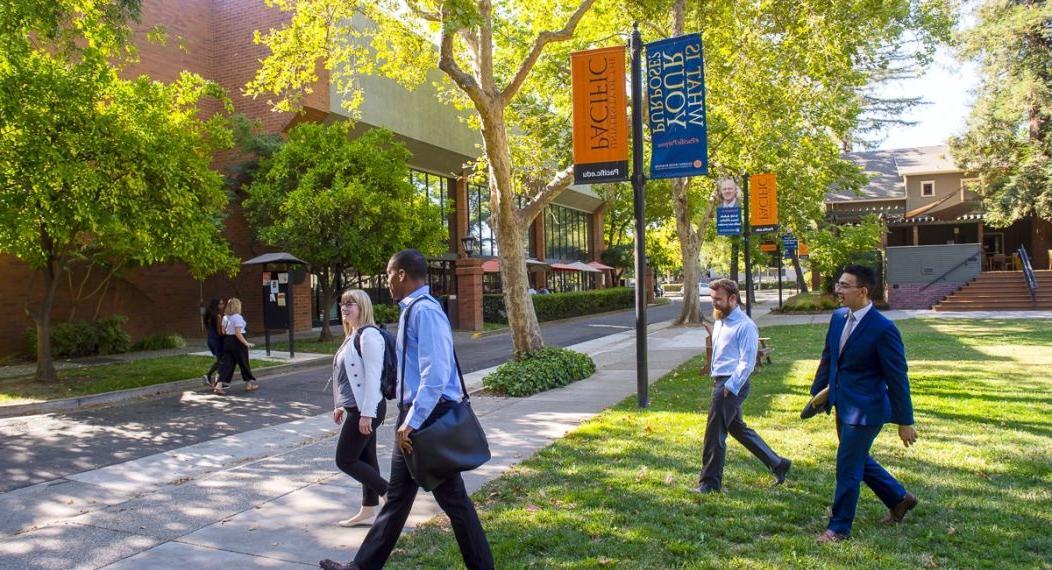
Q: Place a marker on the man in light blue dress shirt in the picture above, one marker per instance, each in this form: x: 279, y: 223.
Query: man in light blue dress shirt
x: 735, y: 338
x: 432, y: 384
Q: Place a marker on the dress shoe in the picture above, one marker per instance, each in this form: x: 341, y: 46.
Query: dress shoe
x: 781, y: 471
x: 830, y: 536
x: 896, y: 514
x: 334, y: 565
x: 705, y: 489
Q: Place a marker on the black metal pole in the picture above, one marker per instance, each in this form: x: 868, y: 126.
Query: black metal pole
x: 748, y: 256
x: 292, y: 313
x: 638, y: 184
x: 779, y: 254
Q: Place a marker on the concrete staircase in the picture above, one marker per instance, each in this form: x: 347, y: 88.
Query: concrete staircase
x: 1000, y: 290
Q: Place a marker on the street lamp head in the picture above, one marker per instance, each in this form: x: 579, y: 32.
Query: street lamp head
x: 468, y: 242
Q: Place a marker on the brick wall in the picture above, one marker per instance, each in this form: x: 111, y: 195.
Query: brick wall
x: 910, y: 295
x: 214, y: 39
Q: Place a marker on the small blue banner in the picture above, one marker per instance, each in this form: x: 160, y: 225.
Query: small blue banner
x: 729, y: 221
x: 675, y: 78
x: 789, y: 245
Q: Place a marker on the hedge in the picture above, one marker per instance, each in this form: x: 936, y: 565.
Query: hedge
x: 563, y: 305
x: 385, y: 313
x: 807, y: 302
x: 540, y: 370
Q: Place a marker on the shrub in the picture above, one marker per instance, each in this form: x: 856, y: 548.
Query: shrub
x: 805, y: 302
x: 160, y: 341
x: 83, y: 338
x: 111, y: 336
x: 385, y: 313
x: 540, y: 370
x: 563, y: 305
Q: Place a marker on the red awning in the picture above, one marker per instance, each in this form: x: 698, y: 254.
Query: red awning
x: 601, y: 266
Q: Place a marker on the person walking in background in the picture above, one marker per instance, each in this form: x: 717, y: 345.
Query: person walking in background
x: 235, y: 349
x: 735, y: 339
x: 213, y: 323
x: 864, y: 367
x: 431, y: 384
x: 358, y: 401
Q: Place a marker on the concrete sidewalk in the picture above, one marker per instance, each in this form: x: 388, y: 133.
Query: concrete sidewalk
x: 270, y: 498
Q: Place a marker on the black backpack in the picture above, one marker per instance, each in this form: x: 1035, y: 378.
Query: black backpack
x: 389, y: 376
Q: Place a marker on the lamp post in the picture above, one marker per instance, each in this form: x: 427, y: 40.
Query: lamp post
x: 468, y: 242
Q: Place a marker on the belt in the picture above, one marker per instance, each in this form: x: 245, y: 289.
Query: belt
x: 720, y: 378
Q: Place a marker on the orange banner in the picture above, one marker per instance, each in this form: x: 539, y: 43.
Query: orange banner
x: 600, y: 116
x: 763, y: 203
x: 768, y: 247
x: 803, y: 250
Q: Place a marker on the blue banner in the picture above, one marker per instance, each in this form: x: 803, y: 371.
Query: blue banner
x: 675, y: 77
x: 729, y: 220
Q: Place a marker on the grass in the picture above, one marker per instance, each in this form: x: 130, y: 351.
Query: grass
x: 110, y: 377
x: 615, y: 492
x: 310, y: 346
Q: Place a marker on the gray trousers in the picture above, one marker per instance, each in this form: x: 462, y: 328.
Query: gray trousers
x: 725, y: 416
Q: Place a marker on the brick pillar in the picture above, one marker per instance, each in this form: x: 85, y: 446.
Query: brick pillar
x: 469, y: 293
x: 540, y: 278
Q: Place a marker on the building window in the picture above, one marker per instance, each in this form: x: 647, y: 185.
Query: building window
x: 479, y: 221
x: 566, y: 234
x: 437, y: 189
x: 968, y: 186
x: 928, y: 188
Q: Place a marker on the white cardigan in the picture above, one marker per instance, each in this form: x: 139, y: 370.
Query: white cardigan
x: 359, y: 375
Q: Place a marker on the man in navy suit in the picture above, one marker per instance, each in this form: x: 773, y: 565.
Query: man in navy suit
x: 864, y: 366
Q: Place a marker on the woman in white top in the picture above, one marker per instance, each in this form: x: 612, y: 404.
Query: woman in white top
x: 235, y: 349
x: 358, y: 402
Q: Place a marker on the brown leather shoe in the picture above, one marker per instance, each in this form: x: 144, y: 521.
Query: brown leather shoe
x: 896, y: 514
x: 334, y: 565
x: 830, y: 536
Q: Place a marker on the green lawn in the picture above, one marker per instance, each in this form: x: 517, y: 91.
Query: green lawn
x: 310, y: 346
x: 614, y: 493
x: 110, y: 377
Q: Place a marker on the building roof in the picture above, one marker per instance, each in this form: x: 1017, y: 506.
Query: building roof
x: 887, y: 170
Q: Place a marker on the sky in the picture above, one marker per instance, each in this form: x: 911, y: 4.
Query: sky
x: 948, y: 86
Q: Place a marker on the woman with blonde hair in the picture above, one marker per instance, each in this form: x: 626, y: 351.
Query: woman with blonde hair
x: 235, y: 349
x: 358, y: 401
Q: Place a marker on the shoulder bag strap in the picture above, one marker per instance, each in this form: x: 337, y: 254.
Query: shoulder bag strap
x: 405, y: 342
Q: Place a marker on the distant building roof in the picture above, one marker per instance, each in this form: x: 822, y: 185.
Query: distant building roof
x: 886, y: 170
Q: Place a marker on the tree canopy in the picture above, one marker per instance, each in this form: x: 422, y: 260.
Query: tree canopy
x: 340, y: 202
x: 96, y: 169
x: 1008, y: 142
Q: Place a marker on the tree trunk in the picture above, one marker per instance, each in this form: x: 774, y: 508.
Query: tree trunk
x: 522, y: 318
x: 800, y: 283
x: 689, y: 248
x: 328, y: 294
x: 45, y: 365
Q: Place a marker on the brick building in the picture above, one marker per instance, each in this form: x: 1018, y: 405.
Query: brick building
x: 213, y: 38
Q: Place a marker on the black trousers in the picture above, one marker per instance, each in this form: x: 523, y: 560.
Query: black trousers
x: 401, y: 492
x: 356, y: 455
x: 234, y: 354
x: 725, y: 416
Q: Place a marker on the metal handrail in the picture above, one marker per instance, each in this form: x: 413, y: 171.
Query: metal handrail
x: 1028, y: 273
x: 954, y: 268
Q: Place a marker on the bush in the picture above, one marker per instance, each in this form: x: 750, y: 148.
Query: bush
x: 805, y: 302
x: 540, y: 370
x: 160, y: 341
x: 563, y: 305
x: 111, y: 337
x: 82, y: 338
x: 385, y: 313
